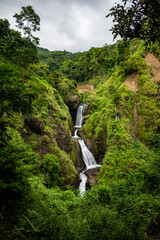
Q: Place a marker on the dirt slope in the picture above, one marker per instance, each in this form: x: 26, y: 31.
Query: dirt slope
x: 85, y: 87
x: 154, y: 64
x: 132, y: 82
x: 153, y: 67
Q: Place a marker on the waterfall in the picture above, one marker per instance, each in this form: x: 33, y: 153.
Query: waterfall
x: 80, y: 114
x: 82, y: 186
x: 88, y: 157
x: 75, y: 135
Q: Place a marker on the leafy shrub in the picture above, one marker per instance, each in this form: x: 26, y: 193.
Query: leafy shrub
x: 51, y: 169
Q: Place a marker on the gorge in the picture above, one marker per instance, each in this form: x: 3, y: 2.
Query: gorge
x: 52, y: 135
x: 88, y: 157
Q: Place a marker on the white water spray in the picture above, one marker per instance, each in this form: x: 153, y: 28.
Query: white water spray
x: 75, y: 135
x: 88, y: 157
x: 82, y: 186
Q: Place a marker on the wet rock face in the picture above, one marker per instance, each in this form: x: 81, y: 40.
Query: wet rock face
x: 73, y: 102
x: 35, y: 125
x: 91, y: 176
x: 63, y: 138
x: 80, y: 166
x: 88, y: 142
x: 86, y: 111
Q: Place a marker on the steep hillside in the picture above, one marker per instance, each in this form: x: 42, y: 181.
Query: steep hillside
x: 124, y: 127
x: 40, y: 161
x: 85, y: 87
x: 37, y: 111
x: 126, y: 105
x: 36, y: 135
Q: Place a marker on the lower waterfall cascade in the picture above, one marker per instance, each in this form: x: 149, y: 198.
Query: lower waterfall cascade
x: 87, y: 156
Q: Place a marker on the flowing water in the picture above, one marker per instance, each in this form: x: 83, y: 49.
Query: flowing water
x: 75, y: 135
x: 88, y: 157
x: 80, y: 114
x: 82, y: 186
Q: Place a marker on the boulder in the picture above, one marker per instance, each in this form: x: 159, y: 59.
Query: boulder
x: 35, y: 125
x: 79, y: 164
x: 91, y: 176
x: 73, y: 102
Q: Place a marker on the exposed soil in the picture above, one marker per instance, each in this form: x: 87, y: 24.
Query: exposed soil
x: 136, y: 118
x: 154, y: 64
x: 152, y: 237
x: 153, y: 69
x: 132, y: 82
x: 86, y: 87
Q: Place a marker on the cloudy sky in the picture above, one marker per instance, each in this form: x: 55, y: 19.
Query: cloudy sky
x: 72, y: 25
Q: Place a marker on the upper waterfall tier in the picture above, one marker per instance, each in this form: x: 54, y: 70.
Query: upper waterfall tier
x: 80, y: 114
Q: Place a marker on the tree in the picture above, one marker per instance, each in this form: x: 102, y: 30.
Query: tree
x: 29, y: 21
x: 136, y: 19
x: 19, y: 50
x: 4, y: 28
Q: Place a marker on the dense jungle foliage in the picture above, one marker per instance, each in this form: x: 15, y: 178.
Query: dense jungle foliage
x: 38, y: 158
x: 83, y: 66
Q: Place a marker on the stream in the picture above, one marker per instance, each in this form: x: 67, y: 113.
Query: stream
x: 88, y: 157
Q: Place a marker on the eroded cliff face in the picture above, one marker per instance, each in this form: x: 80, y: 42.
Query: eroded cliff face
x: 153, y: 67
x: 86, y: 87
x: 123, y: 115
x: 73, y: 103
x: 139, y: 88
x: 48, y: 132
x: 54, y: 136
x: 91, y: 177
x: 132, y: 104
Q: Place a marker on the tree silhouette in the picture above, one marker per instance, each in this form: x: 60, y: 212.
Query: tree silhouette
x: 29, y: 21
x: 136, y: 19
